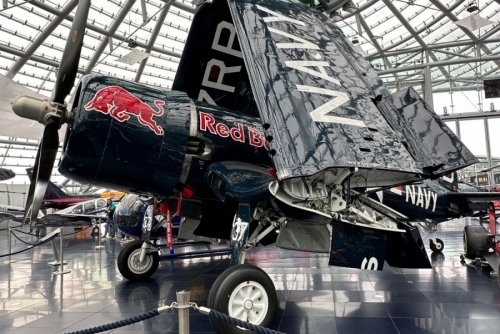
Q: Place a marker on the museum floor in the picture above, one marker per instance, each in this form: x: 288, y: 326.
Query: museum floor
x: 314, y: 298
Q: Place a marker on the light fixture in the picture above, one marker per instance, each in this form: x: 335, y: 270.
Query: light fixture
x: 445, y: 111
x: 132, y: 44
x: 355, y: 41
x: 349, y: 7
x: 472, y: 8
x: 336, y: 17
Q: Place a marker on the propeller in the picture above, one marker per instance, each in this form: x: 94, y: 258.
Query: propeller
x: 52, y: 113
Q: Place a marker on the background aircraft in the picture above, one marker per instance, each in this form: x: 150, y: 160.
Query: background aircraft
x: 56, y: 198
x: 81, y: 214
x: 314, y: 122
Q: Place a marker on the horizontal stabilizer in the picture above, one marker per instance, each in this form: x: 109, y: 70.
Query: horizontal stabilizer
x: 475, y: 201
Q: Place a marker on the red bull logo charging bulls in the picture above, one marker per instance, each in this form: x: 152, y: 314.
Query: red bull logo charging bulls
x: 120, y: 104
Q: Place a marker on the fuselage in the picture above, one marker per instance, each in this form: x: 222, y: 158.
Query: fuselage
x: 420, y: 202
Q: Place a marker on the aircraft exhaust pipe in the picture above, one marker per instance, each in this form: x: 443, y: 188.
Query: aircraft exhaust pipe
x: 31, y: 108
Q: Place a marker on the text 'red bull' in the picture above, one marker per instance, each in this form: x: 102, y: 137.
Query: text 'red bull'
x: 120, y: 104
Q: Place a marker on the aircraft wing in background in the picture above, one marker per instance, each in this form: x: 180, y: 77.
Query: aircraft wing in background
x: 66, y: 220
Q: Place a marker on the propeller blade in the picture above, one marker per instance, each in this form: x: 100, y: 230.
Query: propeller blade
x: 31, y: 191
x: 71, y: 55
x: 43, y: 166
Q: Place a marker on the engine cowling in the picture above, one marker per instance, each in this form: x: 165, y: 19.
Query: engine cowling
x: 140, y: 139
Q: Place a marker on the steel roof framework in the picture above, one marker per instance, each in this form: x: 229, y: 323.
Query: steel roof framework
x: 408, y: 42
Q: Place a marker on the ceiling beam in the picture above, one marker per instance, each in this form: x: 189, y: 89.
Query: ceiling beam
x: 16, y: 67
x: 112, y: 30
x: 152, y: 39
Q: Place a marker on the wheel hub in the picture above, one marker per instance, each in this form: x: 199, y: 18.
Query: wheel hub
x: 248, y: 304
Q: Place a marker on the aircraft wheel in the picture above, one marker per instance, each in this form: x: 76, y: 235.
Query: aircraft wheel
x: 129, y: 265
x: 95, y: 231
x: 436, y: 246
x: 475, y: 241
x: 244, y: 292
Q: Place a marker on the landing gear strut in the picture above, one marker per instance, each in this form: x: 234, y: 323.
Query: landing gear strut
x: 243, y: 291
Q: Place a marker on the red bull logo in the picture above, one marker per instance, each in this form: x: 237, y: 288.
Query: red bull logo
x: 120, y: 104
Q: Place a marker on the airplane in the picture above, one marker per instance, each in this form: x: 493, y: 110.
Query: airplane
x: 273, y: 121
x: 134, y: 212
x: 431, y: 202
x: 83, y: 213
x: 56, y: 198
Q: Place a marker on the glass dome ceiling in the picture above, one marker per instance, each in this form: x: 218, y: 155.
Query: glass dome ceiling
x: 400, y: 39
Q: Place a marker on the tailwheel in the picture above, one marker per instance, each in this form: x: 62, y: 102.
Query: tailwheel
x: 436, y: 245
x: 244, y: 292
x: 475, y: 241
x: 129, y: 263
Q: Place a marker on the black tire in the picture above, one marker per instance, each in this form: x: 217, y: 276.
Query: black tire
x: 95, y: 231
x: 475, y: 241
x: 437, y: 246
x: 227, y: 291
x: 128, y: 262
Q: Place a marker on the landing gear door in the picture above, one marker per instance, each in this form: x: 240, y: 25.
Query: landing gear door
x: 357, y: 247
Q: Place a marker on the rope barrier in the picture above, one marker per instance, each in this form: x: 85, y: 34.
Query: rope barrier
x: 204, y: 310
x: 118, y: 324
x: 237, y: 322
x: 31, y: 245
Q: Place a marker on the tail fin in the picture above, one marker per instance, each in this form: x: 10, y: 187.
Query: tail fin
x: 450, y: 181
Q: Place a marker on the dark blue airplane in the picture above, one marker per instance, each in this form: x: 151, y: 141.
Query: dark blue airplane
x: 431, y: 202
x: 275, y: 121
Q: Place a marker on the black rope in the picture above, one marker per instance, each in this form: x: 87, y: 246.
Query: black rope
x: 32, y: 246
x: 25, y: 242
x: 117, y: 324
x: 237, y: 322
x: 27, y: 233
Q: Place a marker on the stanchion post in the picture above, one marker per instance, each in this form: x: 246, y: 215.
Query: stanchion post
x: 183, y: 307
x: 61, y: 254
x: 57, y: 255
x: 9, y: 240
x: 99, y: 246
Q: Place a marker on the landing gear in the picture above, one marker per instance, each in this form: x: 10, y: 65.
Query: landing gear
x: 436, y: 245
x: 95, y: 231
x: 475, y: 241
x: 244, y: 292
x: 130, y: 264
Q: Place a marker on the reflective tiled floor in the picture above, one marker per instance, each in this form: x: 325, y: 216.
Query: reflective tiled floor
x: 313, y: 297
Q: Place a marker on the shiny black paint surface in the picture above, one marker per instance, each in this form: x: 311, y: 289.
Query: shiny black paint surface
x: 130, y: 156
x: 127, y: 155
x: 433, y: 141
x: 303, y: 146
x: 209, y: 27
